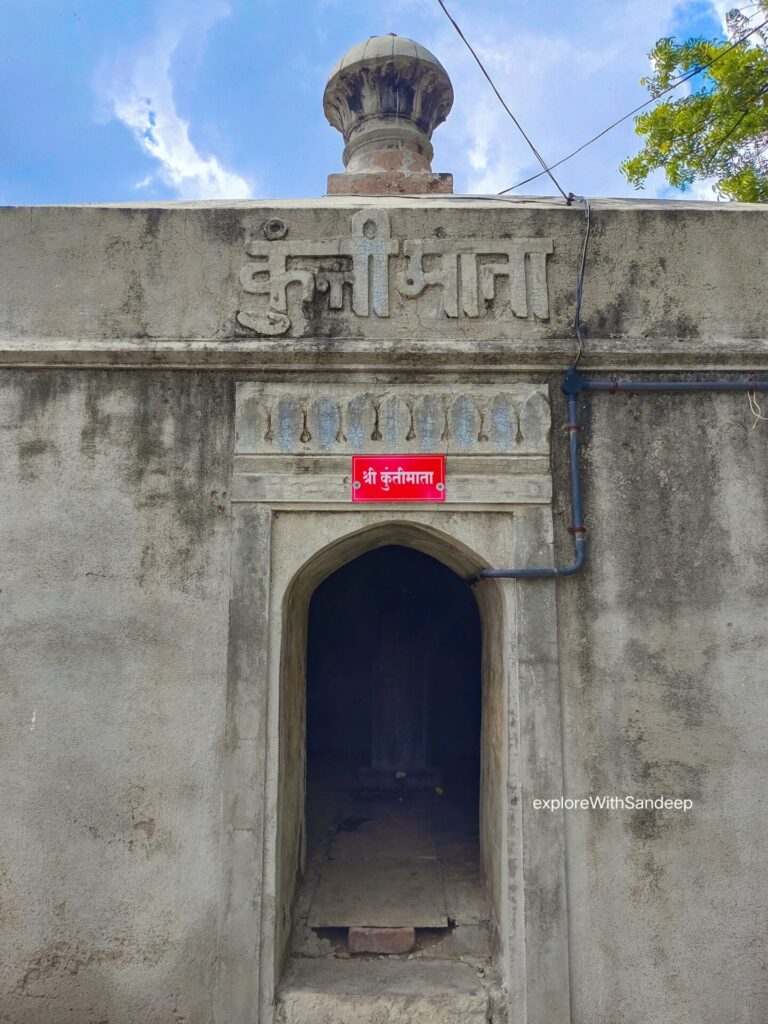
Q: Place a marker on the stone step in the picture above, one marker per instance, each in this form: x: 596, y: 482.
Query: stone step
x: 332, y: 991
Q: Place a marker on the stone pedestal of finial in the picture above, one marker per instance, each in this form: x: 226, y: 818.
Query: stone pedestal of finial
x: 386, y: 96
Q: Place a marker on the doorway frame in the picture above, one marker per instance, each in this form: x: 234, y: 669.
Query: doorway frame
x: 289, y: 534
x: 291, y: 696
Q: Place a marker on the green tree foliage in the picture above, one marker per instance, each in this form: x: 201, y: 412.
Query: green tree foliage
x: 719, y: 130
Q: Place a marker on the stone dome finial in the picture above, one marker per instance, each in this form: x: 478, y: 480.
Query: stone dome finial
x: 386, y: 96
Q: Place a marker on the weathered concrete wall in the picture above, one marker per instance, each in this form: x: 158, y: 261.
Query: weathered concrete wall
x: 114, y: 603
x: 667, y: 284
x: 663, y: 661
x: 113, y: 666
x: 116, y: 583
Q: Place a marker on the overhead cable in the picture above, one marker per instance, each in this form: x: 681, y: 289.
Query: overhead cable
x: 580, y: 278
x: 547, y: 170
x: 678, y: 81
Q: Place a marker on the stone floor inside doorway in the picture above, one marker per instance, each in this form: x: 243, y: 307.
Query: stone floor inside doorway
x: 395, y: 859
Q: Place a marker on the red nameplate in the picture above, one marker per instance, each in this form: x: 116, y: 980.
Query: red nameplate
x: 398, y: 478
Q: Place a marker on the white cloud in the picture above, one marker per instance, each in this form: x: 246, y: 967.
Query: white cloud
x: 753, y: 11
x: 138, y: 90
x: 722, y: 7
x: 704, y: 190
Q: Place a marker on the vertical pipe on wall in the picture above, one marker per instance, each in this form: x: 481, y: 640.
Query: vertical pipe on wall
x: 572, y: 386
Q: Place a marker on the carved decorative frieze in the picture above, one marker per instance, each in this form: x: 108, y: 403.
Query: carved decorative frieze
x: 333, y: 420
x: 355, y: 274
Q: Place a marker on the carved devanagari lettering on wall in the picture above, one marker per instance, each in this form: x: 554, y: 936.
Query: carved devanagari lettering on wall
x: 353, y: 274
x: 459, y: 273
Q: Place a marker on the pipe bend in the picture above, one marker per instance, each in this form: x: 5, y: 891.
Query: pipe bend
x: 573, y: 384
x: 543, y: 574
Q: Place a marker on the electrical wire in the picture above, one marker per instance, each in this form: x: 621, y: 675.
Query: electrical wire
x: 539, y: 157
x: 580, y: 278
x: 547, y: 169
x: 691, y: 74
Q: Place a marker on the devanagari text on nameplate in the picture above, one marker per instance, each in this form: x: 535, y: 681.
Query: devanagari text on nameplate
x: 398, y: 478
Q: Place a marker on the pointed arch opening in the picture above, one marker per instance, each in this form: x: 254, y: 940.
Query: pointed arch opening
x: 392, y: 758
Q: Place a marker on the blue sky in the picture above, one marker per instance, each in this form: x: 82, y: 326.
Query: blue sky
x: 146, y: 100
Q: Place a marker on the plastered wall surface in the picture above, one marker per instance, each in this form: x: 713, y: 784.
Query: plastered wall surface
x: 116, y: 576
x: 186, y: 284
x: 113, y: 665
x: 663, y: 657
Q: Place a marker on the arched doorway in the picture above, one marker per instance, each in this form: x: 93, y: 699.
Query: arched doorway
x: 293, y: 527
x: 393, y: 742
x: 299, y: 821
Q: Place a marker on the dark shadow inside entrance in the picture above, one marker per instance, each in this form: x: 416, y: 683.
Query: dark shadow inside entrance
x: 393, y: 755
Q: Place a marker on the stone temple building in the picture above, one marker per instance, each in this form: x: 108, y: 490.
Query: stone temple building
x: 277, y: 746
